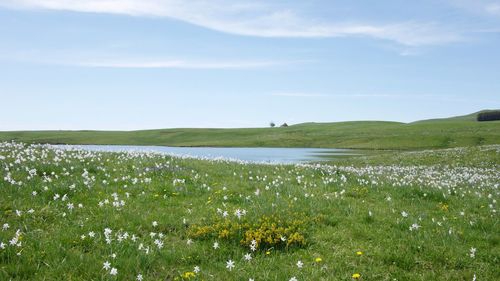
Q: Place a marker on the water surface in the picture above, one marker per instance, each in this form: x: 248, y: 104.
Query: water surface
x: 251, y: 154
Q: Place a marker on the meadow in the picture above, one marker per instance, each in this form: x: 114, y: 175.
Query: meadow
x: 457, y: 131
x: 79, y: 215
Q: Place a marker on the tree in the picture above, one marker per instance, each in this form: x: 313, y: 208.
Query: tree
x: 489, y: 115
x: 284, y: 125
x: 272, y: 124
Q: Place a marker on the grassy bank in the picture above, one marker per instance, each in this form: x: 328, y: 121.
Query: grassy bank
x: 440, y: 133
x: 75, y: 215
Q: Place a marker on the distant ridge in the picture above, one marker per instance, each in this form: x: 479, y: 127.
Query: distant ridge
x: 468, y: 117
x: 433, y: 133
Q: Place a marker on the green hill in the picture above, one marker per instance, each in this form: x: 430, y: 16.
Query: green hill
x: 435, y: 133
x: 468, y: 117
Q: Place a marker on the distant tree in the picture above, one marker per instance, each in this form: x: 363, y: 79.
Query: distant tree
x: 272, y: 124
x: 284, y: 125
x: 489, y: 116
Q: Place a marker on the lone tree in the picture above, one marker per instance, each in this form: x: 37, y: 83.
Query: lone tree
x: 284, y: 125
x: 272, y: 124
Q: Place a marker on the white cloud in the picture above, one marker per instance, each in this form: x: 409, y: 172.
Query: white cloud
x: 249, y: 19
x: 493, y: 8
x: 179, y: 64
x: 304, y: 95
x: 99, y: 60
x: 430, y: 97
x: 487, y: 7
x: 318, y: 95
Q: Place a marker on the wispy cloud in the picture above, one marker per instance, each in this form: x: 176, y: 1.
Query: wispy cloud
x: 303, y: 95
x: 431, y: 97
x: 487, y: 7
x: 249, y: 19
x: 493, y: 8
x: 65, y: 58
x: 179, y: 64
x: 319, y: 95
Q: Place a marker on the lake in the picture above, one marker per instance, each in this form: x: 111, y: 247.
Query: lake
x: 250, y: 154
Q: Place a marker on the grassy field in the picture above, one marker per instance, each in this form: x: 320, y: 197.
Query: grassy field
x: 439, y: 133
x: 77, y: 215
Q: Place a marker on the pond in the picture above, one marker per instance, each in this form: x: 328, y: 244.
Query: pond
x: 250, y: 154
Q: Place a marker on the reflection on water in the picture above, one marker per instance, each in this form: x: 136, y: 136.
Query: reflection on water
x: 251, y: 154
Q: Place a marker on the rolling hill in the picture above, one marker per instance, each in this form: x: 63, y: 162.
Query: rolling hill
x: 436, y: 133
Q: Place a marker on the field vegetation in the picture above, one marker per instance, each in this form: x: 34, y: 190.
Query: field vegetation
x: 80, y: 215
x: 428, y: 134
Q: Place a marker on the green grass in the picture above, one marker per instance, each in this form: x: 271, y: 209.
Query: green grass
x: 451, y: 194
x: 439, y: 133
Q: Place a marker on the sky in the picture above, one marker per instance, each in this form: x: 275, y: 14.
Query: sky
x: 145, y: 64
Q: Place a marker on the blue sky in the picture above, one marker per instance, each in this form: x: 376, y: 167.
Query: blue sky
x: 138, y: 64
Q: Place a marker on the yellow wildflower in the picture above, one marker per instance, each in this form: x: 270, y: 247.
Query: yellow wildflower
x: 188, y: 275
x: 443, y: 206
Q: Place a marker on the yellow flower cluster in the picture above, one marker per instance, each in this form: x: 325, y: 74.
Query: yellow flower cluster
x: 223, y: 229
x: 268, y: 231
x: 188, y: 275
x: 443, y: 206
x: 271, y: 232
